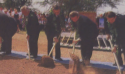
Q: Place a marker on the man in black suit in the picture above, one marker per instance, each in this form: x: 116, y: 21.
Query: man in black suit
x: 116, y: 28
x: 55, y: 23
x: 32, y: 27
x: 87, y: 31
x: 8, y: 28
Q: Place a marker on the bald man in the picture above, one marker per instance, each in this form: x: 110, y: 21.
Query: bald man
x: 32, y: 27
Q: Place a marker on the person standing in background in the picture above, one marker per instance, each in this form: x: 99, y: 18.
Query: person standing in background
x: 10, y: 12
x: 16, y: 16
x: 43, y: 21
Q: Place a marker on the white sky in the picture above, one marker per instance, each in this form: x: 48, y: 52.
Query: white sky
x: 120, y: 8
x: 42, y: 9
x: 1, y: 1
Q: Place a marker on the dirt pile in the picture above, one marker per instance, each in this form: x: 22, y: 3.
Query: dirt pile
x: 47, y: 61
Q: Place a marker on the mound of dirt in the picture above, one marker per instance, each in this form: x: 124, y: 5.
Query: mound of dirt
x: 47, y: 61
x: 74, y: 64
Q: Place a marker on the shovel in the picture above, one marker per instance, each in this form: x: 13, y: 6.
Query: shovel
x: 28, y: 50
x: 74, y: 63
x: 66, y: 44
x: 115, y: 57
x: 46, y: 60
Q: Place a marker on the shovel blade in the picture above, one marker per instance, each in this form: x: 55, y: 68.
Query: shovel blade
x: 74, y: 64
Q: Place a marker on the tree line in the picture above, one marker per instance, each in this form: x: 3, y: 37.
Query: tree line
x: 67, y: 5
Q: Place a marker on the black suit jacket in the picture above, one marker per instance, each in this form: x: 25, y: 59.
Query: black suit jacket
x: 8, y: 25
x: 87, y: 29
x: 54, y: 24
x: 32, y: 25
x: 119, y: 25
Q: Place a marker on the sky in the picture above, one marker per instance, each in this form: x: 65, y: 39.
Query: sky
x: 120, y: 8
x: 42, y: 9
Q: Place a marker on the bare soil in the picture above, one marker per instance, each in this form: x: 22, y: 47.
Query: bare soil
x: 13, y: 65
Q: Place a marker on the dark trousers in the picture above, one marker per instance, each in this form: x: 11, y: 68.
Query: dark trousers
x: 41, y: 27
x: 6, y: 44
x: 7, y: 40
x: 33, y: 43
x: 86, y: 49
x: 57, y: 47
x: 119, y: 52
x: 20, y: 26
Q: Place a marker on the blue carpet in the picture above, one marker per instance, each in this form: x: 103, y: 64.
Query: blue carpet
x: 103, y: 65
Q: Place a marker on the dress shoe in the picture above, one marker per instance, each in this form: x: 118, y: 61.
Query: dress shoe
x: 60, y: 59
x: 87, y: 63
x: 4, y: 53
x: 116, y: 64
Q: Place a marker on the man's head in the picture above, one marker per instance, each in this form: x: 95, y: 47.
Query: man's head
x: 11, y: 9
x: 100, y: 15
x: 5, y: 10
x: 47, y: 15
x: 25, y: 11
x: 44, y: 15
x: 15, y: 10
x: 74, y: 16
x: 111, y: 17
x: 56, y: 9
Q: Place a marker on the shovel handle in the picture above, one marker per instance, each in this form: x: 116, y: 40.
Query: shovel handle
x: 63, y: 38
x: 115, y: 57
x: 54, y: 45
x: 74, y: 43
x: 69, y: 38
x: 28, y: 48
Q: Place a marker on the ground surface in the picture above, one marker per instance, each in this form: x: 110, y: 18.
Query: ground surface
x: 12, y: 65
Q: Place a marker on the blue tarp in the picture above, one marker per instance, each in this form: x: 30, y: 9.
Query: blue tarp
x: 103, y: 65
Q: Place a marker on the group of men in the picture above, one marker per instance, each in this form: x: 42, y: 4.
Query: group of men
x: 86, y: 30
